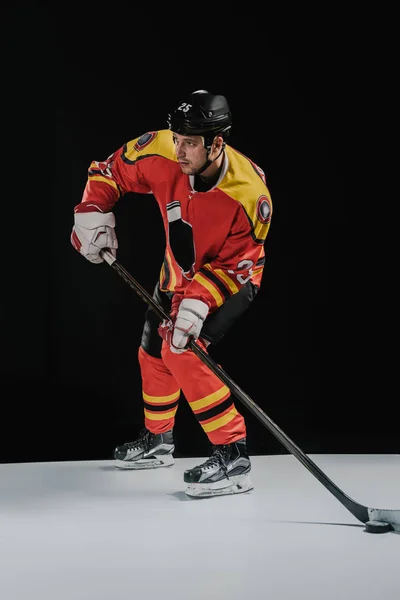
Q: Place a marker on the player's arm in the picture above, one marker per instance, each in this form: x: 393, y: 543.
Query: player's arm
x: 94, y: 221
x: 241, y: 255
x: 240, y: 258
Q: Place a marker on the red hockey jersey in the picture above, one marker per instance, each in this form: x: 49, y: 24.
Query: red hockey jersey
x: 214, y: 239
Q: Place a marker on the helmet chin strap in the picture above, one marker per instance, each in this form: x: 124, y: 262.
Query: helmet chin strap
x: 208, y: 161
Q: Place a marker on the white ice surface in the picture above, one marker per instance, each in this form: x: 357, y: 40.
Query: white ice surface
x: 86, y: 531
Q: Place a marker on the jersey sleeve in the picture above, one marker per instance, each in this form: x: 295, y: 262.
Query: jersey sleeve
x: 109, y: 180
x: 241, y: 259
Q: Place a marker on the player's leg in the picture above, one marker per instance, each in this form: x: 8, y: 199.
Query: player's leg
x: 155, y: 445
x: 227, y: 470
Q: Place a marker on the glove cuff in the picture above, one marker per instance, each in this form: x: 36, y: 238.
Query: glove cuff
x: 92, y: 220
x: 198, y: 307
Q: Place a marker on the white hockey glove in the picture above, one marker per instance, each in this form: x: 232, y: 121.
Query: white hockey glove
x: 188, y: 323
x: 93, y: 231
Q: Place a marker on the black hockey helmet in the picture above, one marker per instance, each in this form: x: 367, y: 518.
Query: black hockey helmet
x: 202, y: 113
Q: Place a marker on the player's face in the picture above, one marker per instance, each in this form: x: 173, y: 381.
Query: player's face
x: 190, y: 152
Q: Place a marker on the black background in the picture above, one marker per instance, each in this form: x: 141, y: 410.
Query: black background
x: 314, y: 351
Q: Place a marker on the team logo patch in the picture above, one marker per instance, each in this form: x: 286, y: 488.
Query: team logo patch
x: 105, y: 167
x: 263, y: 209
x: 145, y: 140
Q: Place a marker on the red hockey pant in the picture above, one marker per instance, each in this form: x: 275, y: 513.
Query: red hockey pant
x: 210, y: 399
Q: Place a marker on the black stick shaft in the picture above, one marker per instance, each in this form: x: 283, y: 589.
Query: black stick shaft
x: 356, y: 509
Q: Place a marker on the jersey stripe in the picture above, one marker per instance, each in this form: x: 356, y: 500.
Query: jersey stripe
x: 206, y: 283
x: 222, y: 274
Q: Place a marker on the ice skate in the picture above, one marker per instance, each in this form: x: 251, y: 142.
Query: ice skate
x: 149, y: 451
x: 227, y: 471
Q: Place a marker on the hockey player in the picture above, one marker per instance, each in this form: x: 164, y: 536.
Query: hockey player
x: 216, y: 210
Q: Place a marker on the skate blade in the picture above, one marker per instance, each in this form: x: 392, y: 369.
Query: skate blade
x: 138, y: 465
x: 235, y: 485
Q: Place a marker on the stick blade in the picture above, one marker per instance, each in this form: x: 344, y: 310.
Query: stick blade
x: 391, y: 517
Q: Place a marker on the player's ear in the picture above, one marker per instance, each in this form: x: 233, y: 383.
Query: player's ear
x: 218, y: 142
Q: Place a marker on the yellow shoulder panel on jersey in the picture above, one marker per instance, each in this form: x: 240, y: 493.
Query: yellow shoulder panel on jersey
x: 152, y: 143
x: 245, y: 183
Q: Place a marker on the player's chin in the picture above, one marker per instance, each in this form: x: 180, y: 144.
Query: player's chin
x: 187, y: 169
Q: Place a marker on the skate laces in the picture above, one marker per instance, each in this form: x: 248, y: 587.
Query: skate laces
x: 143, y: 440
x: 218, y: 458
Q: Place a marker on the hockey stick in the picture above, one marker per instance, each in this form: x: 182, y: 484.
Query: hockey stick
x: 382, y: 517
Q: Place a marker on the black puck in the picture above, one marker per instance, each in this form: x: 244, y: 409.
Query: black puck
x: 378, y: 527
